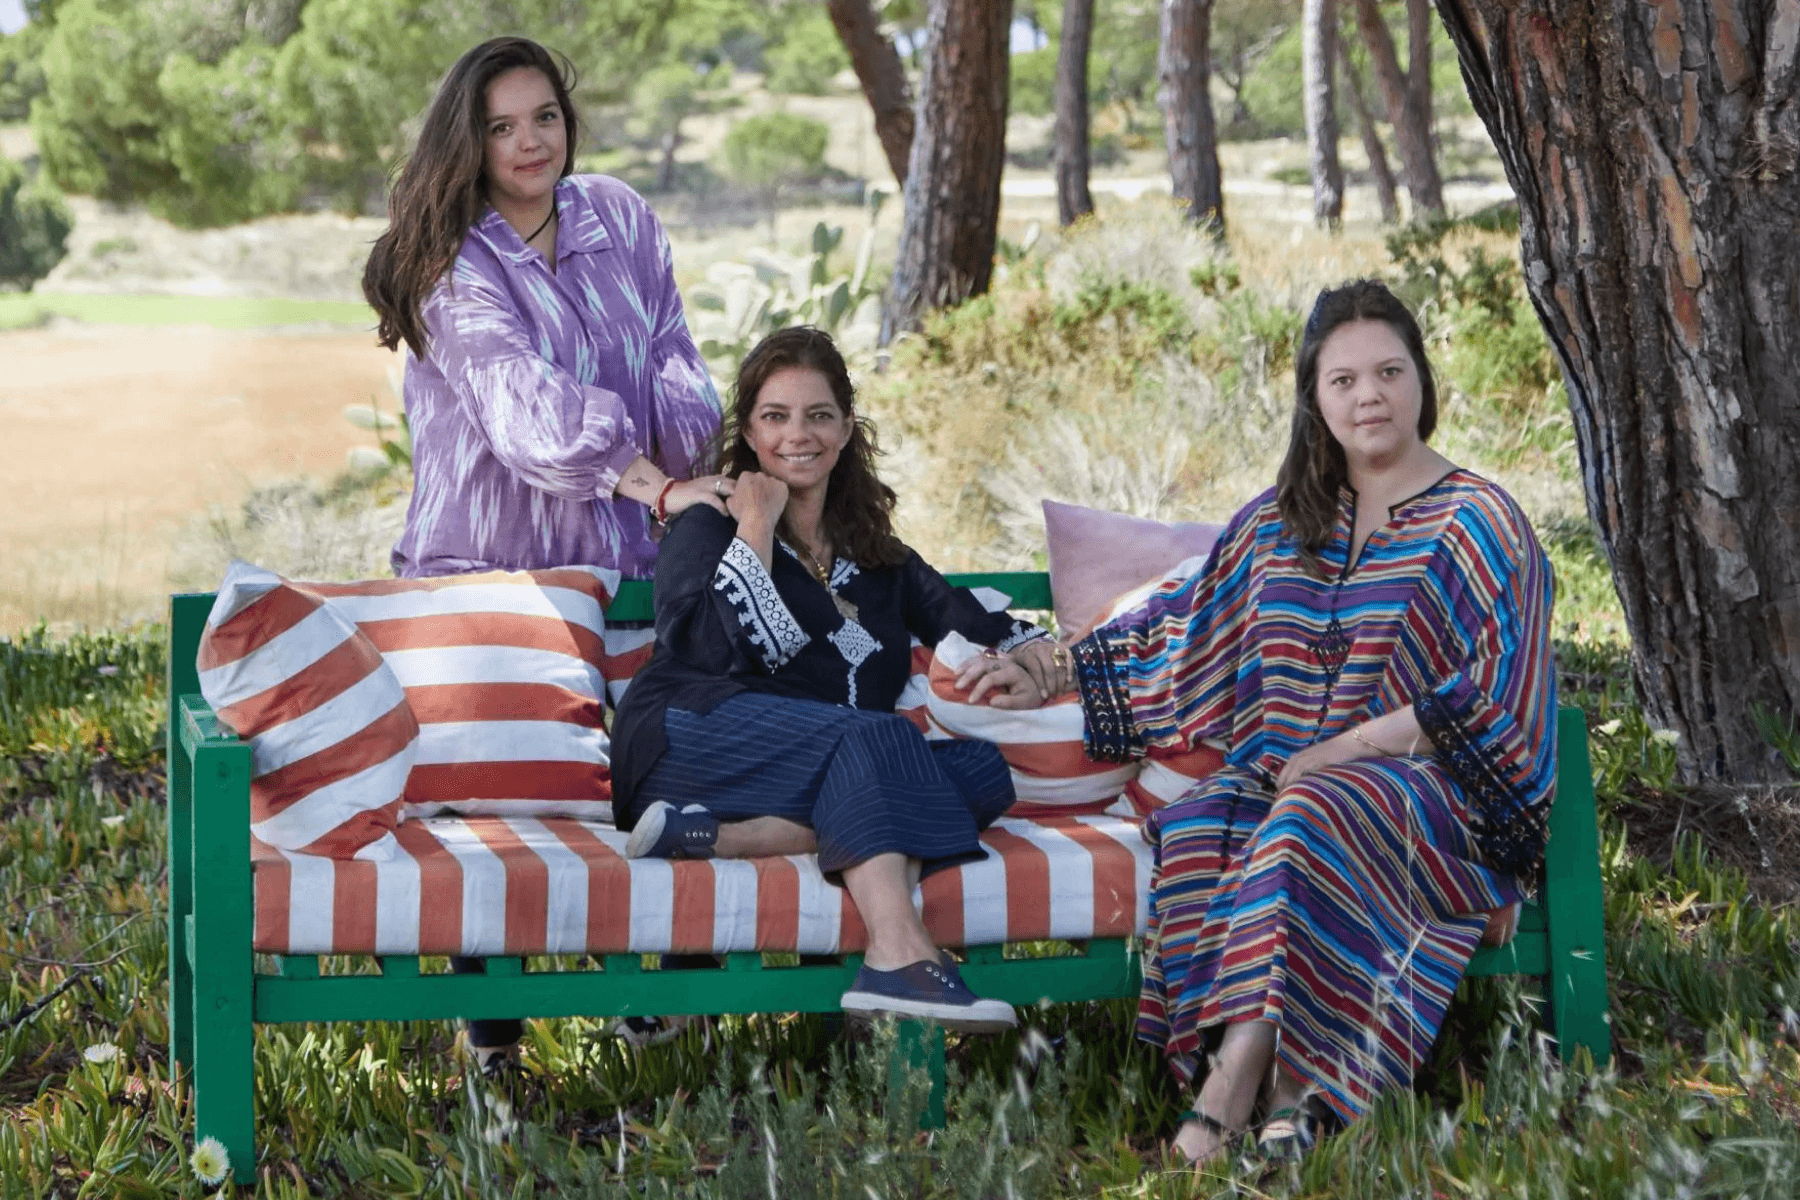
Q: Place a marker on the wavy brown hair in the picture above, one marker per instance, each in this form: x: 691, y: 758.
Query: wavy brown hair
x: 441, y: 190
x: 859, y: 508
x: 1306, y: 487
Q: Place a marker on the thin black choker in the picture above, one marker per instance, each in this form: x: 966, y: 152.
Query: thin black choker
x: 542, y: 227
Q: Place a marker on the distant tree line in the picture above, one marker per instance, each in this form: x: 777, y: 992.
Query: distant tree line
x: 215, y: 111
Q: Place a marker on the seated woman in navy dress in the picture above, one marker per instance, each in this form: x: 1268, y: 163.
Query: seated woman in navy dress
x: 764, y: 723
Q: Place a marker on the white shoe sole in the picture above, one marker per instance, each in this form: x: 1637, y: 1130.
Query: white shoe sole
x: 983, y: 1016
x: 648, y: 829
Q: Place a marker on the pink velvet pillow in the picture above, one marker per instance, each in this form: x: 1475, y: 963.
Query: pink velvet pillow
x: 1097, y: 556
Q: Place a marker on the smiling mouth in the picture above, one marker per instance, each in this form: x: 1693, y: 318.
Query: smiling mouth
x: 536, y: 166
x: 798, y: 459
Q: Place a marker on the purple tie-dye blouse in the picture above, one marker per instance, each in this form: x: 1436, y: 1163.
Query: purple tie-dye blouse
x: 537, y: 390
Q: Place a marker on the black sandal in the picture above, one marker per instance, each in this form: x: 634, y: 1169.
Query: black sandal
x: 1228, y: 1137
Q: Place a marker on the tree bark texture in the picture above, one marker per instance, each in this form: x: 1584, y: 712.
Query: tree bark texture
x: 1408, y: 101
x: 1318, y: 55
x: 1366, y: 128
x: 1073, y: 200
x: 1653, y: 147
x: 883, y: 78
x: 952, y: 214
x: 1184, y: 70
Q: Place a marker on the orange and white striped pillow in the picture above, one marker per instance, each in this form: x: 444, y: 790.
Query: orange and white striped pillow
x: 503, y: 671
x: 331, y: 735
x: 1052, y: 773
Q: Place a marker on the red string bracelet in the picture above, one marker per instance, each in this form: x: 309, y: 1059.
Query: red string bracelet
x: 661, y: 508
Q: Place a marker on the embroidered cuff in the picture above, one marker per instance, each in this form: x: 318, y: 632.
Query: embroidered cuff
x: 1022, y: 632
x: 769, y: 627
x: 1109, y: 733
x: 1510, y: 832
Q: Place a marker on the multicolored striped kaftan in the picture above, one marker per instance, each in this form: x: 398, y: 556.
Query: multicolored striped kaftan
x: 1344, y: 909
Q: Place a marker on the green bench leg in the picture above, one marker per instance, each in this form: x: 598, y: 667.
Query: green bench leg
x: 219, y: 948
x: 1574, y: 902
x: 920, y: 1046
x: 181, y: 902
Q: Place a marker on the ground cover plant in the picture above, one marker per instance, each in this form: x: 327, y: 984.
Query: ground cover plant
x: 1044, y: 388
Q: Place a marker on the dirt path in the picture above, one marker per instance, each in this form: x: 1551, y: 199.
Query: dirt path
x: 114, y: 437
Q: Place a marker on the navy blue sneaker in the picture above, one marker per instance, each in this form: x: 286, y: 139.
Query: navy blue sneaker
x: 663, y: 831
x: 926, y: 990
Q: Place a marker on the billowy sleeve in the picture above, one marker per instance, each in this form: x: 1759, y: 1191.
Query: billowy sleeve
x: 1164, y: 675
x: 521, y: 400
x: 686, y: 405
x: 1492, y: 714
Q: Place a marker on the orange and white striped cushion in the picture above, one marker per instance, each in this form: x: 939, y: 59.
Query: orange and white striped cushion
x: 1051, y: 771
x: 331, y: 735
x: 503, y: 671
x: 491, y: 885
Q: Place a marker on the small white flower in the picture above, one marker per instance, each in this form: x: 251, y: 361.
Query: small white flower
x: 210, y: 1162
x: 108, y: 671
x: 101, y: 1052
x: 113, y: 822
x: 1664, y: 737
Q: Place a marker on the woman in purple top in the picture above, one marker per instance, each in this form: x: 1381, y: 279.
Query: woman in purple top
x: 558, y: 405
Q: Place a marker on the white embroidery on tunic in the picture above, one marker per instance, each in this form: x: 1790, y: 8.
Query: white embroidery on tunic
x: 856, y: 644
x: 1022, y: 632
x: 767, y: 622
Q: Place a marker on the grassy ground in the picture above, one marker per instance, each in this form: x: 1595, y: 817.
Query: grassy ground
x: 1046, y: 388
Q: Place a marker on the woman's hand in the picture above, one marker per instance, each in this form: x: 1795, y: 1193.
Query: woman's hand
x: 1048, y: 664
x: 714, y: 491
x: 757, y: 501
x: 1316, y: 757
x: 1004, y: 682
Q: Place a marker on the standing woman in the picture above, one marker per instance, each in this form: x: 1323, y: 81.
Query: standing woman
x: 557, y: 403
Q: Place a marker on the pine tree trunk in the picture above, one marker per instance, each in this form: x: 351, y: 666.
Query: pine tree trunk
x: 1653, y: 146
x: 1376, y: 153
x: 1408, y: 110
x: 1184, y: 65
x: 952, y: 215
x: 1318, y: 53
x: 1071, y: 136
x: 883, y: 78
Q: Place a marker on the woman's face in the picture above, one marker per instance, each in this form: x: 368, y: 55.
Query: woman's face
x: 796, y: 428
x: 526, y: 141
x: 1369, y: 393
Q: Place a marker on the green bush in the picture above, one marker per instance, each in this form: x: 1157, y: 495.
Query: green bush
x: 34, y: 228
x: 775, y: 148
x: 807, y: 57
x: 1032, y: 81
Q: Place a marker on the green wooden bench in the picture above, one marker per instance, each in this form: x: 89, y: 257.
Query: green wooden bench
x: 218, y: 996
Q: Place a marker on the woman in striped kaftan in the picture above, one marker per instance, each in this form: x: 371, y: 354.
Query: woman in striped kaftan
x: 1370, y: 641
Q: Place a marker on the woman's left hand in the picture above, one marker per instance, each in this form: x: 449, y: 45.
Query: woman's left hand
x: 1048, y: 664
x: 1317, y: 757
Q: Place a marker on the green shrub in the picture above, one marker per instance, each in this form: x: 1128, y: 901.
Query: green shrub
x: 34, y: 228
x: 807, y: 58
x: 775, y: 148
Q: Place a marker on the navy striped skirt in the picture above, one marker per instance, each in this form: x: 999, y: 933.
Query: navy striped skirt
x: 866, y: 783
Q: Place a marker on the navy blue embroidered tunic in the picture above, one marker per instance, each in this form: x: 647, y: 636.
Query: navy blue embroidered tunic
x: 725, y: 624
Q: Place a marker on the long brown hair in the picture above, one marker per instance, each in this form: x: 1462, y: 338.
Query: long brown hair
x: 1306, y: 487
x: 859, y: 508
x: 441, y: 190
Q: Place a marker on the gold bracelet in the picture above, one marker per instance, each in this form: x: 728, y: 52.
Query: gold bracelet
x: 1356, y: 732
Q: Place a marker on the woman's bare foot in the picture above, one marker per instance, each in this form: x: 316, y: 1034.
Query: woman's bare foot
x: 1199, y: 1138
